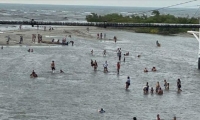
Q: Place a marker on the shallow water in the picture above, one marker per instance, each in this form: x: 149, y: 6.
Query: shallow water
x: 80, y: 92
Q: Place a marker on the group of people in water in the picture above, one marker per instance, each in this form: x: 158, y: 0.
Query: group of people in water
x: 101, y: 35
x: 64, y: 41
x: 158, y: 89
x: 105, y: 65
x: 53, y: 68
x: 157, y: 117
x: 153, y: 69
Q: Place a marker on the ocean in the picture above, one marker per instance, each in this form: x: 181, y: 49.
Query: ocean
x: 78, y: 13
x: 80, y: 91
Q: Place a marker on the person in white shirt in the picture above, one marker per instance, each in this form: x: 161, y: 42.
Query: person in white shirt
x: 105, y: 65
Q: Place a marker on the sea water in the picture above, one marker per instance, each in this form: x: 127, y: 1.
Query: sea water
x: 80, y: 92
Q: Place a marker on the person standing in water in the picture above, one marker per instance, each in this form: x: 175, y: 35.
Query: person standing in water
x: 92, y: 64
x: 105, y: 67
x: 104, y: 35
x: 95, y: 65
x: 179, y: 85
x: 128, y: 82
x: 119, y: 54
x: 115, y: 39
x: 118, y: 67
x: 92, y: 51
x: 158, y: 117
x: 53, y: 67
x: 104, y: 52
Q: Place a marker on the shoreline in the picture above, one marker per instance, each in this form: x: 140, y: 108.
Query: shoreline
x: 59, y: 32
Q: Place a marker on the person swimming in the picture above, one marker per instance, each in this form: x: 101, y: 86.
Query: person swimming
x: 33, y: 74
x: 153, y: 69
x: 126, y: 54
x: 160, y: 91
x: 102, y: 110
x: 128, y: 82
x: 134, y: 118
x: 61, y: 71
x: 145, y: 70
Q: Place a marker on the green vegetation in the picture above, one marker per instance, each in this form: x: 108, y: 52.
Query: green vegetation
x: 155, y: 18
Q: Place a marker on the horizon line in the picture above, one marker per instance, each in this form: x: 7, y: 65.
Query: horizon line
x: 88, y: 5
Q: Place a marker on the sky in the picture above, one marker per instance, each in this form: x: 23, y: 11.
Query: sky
x: 131, y: 3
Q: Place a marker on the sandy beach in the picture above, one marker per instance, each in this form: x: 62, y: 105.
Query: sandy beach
x: 59, y: 32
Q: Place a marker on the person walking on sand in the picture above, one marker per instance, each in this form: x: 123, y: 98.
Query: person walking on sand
x: 118, y: 67
x: 53, y: 67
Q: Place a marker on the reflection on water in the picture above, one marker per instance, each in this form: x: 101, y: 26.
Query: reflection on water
x: 80, y: 92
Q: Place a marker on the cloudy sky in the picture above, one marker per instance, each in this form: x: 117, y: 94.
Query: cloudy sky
x: 137, y: 3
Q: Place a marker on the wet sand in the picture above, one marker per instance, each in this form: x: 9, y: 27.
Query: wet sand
x: 58, y: 32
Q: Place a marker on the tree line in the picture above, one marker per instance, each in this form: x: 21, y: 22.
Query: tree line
x: 155, y: 17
